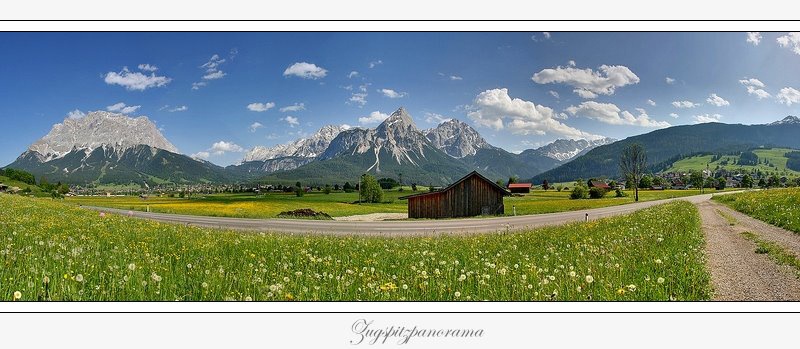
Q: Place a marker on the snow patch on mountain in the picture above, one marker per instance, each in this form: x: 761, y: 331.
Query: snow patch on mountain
x: 310, y: 147
x: 456, y: 138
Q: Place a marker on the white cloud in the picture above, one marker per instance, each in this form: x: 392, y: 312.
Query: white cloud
x: 674, y: 116
x: 222, y: 147
x: 201, y: 155
x: 754, y: 38
x: 387, y: 92
x: 611, y: 114
x: 587, y: 82
x: 260, y: 107
x: 685, y: 104
x: 291, y: 120
x: 306, y: 71
x: 375, y: 117
x: 135, y: 81
x: 213, y: 63
x: 544, y: 36
x: 651, y: 102
x: 713, y: 99
x: 294, y: 107
x: 122, y: 108
x: 353, y: 74
x: 571, y: 63
x: 75, y: 114
x: 455, y: 78
x: 363, y: 88
x: 358, y: 98
x: 791, y: 40
x: 788, y: 96
x: 434, y: 118
x: 554, y: 94
x: 497, y: 110
x: 755, y: 87
x: 704, y: 118
x: 374, y: 64
x: 219, y: 74
x: 212, y: 71
x: 669, y: 80
x: 147, y: 67
x: 585, y: 94
x: 179, y: 109
x: 255, y: 126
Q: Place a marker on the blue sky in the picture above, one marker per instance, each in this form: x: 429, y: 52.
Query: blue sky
x: 520, y: 90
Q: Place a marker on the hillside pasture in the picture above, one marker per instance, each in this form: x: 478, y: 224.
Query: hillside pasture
x: 775, y: 156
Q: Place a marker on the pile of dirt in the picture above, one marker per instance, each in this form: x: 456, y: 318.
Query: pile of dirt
x: 305, y: 213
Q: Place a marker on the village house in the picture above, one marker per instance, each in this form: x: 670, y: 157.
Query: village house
x: 472, y: 195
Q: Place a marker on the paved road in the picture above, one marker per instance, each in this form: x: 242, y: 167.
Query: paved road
x: 398, y: 228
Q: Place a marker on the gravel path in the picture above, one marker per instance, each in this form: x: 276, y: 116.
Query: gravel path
x: 737, y: 272
x: 372, y: 217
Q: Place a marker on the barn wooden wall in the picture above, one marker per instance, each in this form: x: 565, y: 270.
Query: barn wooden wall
x: 463, y: 200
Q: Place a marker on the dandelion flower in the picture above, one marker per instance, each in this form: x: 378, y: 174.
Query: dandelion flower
x: 17, y: 295
x: 457, y: 294
x: 46, y: 280
x: 621, y: 291
x: 204, y: 284
x: 658, y: 261
x: 132, y: 267
x: 589, y: 279
x: 631, y: 287
x: 572, y: 274
x: 462, y: 277
x: 660, y: 280
x: 248, y: 299
x: 79, y: 278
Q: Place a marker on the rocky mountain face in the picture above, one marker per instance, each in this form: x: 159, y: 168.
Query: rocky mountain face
x: 104, y: 147
x: 97, y: 129
x: 566, y: 149
x: 456, y: 138
x: 310, y: 147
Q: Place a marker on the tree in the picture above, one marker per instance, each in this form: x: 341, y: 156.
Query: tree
x: 747, y: 181
x: 299, y: 191
x: 773, y: 181
x: 348, y: 188
x: 370, y: 190
x: 721, y: 183
x: 597, y: 193
x: 336, y: 187
x: 658, y: 181
x: 327, y: 189
x: 499, y: 182
x: 633, y: 163
x: 545, y: 185
x: 512, y: 180
x: 646, y: 182
x: 298, y: 184
x: 762, y: 183
x: 413, y: 186
x: 696, y: 179
x: 388, y: 183
x: 579, y: 191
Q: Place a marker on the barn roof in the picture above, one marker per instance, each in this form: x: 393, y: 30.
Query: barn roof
x: 473, y: 173
x: 519, y: 185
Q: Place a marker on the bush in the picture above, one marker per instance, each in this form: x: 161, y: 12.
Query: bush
x: 299, y: 191
x: 559, y: 187
x: 597, y: 193
x: 620, y: 193
x: 327, y: 189
x: 578, y: 192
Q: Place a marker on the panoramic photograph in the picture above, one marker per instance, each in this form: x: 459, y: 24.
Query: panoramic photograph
x: 400, y: 166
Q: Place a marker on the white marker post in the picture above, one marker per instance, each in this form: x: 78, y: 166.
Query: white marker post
x: 587, y: 217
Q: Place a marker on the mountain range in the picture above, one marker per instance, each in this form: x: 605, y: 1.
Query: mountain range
x: 104, y: 147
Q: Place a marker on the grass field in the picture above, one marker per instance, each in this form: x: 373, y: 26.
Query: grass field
x: 780, y: 207
x: 35, y: 191
x: 775, y: 156
x: 55, y: 251
x: 340, y: 204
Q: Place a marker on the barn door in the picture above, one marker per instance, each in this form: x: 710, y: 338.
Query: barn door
x: 486, y: 210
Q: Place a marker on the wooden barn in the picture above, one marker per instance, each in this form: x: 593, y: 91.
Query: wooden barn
x: 519, y: 188
x: 472, y: 195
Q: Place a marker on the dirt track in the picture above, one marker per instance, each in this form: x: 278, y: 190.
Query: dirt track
x: 737, y: 272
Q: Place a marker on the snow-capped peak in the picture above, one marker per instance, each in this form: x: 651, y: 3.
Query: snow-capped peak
x: 789, y: 120
x: 309, y: 147
x: 100, y: 128
x: 566, y: 149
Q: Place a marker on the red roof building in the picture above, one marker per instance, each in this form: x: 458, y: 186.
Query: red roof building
x: 520, y: 187
x: 599, y: 184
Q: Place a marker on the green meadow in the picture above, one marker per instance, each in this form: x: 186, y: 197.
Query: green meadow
x: 59, y: 252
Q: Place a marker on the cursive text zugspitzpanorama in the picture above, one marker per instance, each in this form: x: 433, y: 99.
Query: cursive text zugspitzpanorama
x: 366, y: 333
